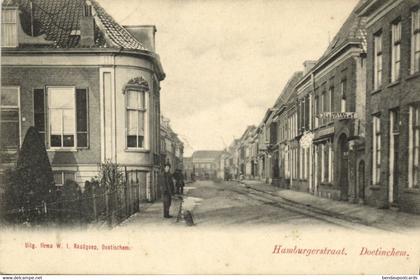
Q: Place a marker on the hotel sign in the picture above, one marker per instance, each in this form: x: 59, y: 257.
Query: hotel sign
x: 337, y: 115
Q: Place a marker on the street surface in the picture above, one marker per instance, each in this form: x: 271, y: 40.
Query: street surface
x: 231, y: 204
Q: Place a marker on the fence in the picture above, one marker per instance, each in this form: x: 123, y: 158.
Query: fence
x: 69, y: 205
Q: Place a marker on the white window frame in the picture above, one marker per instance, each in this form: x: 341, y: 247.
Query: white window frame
x: 18, y: 107
x: 74, y: 147
x: 343, y: 97
x: 415, y: 43
x: 414, y: 147
x: 146, y: 138
x: 377, y: 61
x: 396, y: 51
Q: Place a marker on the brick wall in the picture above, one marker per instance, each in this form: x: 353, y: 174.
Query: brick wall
x: 397, y: 95
x: 29, y: 78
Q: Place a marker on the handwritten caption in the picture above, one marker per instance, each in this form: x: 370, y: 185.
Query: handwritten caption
x: 363, y: 251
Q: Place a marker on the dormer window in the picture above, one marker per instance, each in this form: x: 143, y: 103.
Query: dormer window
x: 87, y: 10
x: 9, y: 36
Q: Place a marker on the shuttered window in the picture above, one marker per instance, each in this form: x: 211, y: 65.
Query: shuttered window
x: 64, y: 119
x: 39, y: 112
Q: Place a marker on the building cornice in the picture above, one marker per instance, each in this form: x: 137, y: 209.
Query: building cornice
x: 144, y: 54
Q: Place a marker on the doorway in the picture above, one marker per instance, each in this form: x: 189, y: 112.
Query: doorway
x: 343, y: 166
x: 361, y: 181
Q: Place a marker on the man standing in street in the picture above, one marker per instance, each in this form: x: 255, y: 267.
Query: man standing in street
x: 179, y: 181
x: 167, y: 188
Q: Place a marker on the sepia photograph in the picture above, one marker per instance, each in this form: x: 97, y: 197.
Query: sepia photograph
x: 210, y: 137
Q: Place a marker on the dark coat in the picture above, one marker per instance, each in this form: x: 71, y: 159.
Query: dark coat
x: 167, y: 184
x: 179, y: 178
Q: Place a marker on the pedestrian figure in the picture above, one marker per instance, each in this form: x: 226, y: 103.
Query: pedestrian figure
x: 167, y: 188
x: 179, y: 181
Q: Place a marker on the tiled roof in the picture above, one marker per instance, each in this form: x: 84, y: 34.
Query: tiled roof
x: 118, y: 34
x: 353, y: 29
x: 59, y: 20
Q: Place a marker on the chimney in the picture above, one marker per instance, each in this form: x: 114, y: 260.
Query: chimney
x: 145, y: 34
x: 308, y: 65
x: 87, y: 27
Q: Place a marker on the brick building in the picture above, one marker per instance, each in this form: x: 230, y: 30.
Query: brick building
x: 334, y: 84
x: 89, y: 86
x: 393, y: 104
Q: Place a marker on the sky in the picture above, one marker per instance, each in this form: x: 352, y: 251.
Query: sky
x: 226, y: 62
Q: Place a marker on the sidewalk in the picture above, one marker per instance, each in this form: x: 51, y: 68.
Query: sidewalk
x: 382, y: 218
x: 151, y: 214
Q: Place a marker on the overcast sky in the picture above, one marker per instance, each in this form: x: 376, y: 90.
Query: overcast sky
x: 227, y: 61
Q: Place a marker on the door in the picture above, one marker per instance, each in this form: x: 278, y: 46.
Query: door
x: 344, y: 166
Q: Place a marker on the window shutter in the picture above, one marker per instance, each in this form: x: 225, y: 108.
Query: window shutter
x: 39, y: 112
x: 82, y: 118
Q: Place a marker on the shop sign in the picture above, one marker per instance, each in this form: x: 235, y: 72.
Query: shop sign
x: 337, y: 115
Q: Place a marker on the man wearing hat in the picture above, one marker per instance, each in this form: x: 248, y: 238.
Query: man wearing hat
x: 167, y: 188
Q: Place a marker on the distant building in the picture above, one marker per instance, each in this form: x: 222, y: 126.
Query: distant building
x: 188, y: 167
x: 205, y: 164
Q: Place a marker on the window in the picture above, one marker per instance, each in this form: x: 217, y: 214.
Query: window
x: 61, y: 177
x: 377, y: 75
x: 307, y: 163
x: 316, y: 109
x: 415, y: 41
x: 322, y: 162
x: 322, y: 106
x: 136, y: 111
x: 62, y: 116
x: 302, y: 163
x: 395, y: 51
x: 414, y: 147
x: 330, y: 162
x: 343, y: 90
x: 67, y: 116
x: 307, y: 112
x: 376, y: 153
x: 326, y: 161
x: 9, y: 118
x: 331, y: 98
x: 9, y: 28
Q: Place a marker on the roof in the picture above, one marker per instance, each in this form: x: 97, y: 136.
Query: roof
x: 59, y: 20
x: 206, y: 154
x: 288, y: 89
x: 353, y: 29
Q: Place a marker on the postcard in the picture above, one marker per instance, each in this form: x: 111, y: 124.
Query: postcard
x: 210, y: 137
